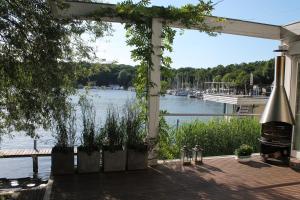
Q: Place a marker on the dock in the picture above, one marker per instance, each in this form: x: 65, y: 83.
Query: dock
x: 20, y: 153
x: 33, y: 153
x: 236, y: 99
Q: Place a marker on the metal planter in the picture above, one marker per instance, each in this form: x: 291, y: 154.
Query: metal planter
x: 114, y: 161
x: 62, y: 162
x: 88, y: 162
x: 137, y: 160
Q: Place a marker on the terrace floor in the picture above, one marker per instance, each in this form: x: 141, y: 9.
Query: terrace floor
x: 217, y: 178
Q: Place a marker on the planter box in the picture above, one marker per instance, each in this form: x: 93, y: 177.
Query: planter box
x: 244, y: 159
x: 88, y: 163
x: 137, y: 159
x: 62, y: 161
x: 114, y: 161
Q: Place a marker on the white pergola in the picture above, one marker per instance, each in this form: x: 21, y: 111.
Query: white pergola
x: 288, y: 35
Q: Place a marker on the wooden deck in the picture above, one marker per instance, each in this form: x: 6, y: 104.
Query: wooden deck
x: 33, y: 153
x: 24, y: 153
x: 18, y: 153
x: 217, y: 178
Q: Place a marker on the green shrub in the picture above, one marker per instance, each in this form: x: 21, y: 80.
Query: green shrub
x: 167, y: 144
x: 244, y: 150
x: 216, y: 137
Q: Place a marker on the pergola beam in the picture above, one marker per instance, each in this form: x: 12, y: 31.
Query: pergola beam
x: 85, y: 10
x: 293, y: 27
x: 239, y: 27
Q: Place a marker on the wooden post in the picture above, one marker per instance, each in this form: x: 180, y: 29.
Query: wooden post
x: 224, y: 108
x: 35, y: 164
x: 35, y: 144
x: 35, y: 161
x: 154, y: 92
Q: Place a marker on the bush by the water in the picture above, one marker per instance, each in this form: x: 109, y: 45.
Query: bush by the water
x: 216, y: 137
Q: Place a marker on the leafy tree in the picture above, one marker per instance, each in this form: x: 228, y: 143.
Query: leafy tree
x: 36, y: 55
x: 268, y: 71
x: 106, y: 74
x: 229, y: 77
x: 243, y: 80
x: 124, y: 78
x: 218, y: 78
x: 219, y: 70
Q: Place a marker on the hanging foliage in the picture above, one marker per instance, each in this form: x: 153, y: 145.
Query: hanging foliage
x: 36, y: 55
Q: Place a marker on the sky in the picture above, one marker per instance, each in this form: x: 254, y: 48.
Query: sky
x: 198, y: 50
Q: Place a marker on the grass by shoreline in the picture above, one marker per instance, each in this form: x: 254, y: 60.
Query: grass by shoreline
x: 216, y: 137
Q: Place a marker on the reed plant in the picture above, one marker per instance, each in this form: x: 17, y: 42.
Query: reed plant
x: 133, y: 126
x: 112, y: 134
x: 64, y: 129
x: 89, y: 132
x: 216, y: 137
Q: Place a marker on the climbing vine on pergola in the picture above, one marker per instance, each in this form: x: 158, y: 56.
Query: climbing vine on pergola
x: 150, y: 34
x: 138, y: 23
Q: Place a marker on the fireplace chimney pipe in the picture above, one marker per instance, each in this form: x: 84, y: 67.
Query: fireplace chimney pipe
x: 279, y: 71
x: 278, y: 108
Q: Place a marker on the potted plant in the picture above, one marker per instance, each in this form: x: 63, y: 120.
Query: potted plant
x: 114, y: 154
x: 62, y: 155
x: 244, y: 153
x: 88, y: 153
x: 137, y: 149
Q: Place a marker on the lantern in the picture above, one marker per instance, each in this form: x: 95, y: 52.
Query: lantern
x: 186, y: 156
x: 197, y: 155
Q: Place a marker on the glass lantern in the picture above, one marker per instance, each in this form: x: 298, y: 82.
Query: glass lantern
x: 197, y: 155
x: 186, y: 157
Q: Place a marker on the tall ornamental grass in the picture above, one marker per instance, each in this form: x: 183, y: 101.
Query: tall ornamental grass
x: 216, y: 137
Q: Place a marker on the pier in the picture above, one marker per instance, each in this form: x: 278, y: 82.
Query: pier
x: 33, y: 153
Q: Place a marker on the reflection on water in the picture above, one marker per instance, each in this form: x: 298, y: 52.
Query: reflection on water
x: 22, y: 167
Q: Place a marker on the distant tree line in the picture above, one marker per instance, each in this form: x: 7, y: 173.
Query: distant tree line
x: 236, y: 74
x: 109, y: 74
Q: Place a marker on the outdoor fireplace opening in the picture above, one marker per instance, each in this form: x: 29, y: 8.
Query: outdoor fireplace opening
x: 275, y: 141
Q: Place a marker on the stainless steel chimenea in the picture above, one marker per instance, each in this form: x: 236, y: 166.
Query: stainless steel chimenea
x: 277, y: 120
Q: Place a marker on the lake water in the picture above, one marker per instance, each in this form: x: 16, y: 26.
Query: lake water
x: 22, y: 167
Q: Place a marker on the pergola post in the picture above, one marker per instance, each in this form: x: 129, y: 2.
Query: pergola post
x: 154, y: 91
x: 294, y: 98
x: 292, y: 86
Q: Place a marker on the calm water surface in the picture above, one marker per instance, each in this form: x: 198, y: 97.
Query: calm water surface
x: 22, y: 167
